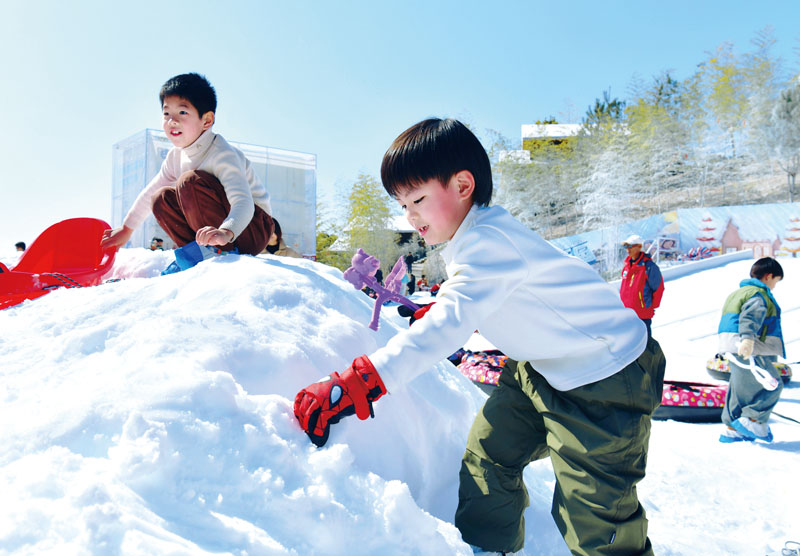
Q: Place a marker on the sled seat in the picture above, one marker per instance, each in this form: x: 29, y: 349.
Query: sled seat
x: 67, y: 254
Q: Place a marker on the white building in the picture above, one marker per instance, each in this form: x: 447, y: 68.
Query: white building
x: 553, y: 132
x: 289, y: 176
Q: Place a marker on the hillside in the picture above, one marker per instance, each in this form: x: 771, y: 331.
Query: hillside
x: 153, y: 416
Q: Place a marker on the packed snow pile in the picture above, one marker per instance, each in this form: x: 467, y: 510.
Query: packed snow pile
x: 153, y: 415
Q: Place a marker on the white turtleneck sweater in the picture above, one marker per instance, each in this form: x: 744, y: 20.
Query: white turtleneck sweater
x: 211, y: 153
x: 532, y: 301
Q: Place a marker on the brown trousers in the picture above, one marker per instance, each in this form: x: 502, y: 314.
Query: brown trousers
x: 197, y: 200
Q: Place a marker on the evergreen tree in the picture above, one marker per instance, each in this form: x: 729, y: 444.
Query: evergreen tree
x: 328, y: 232
x: 604, y: 112
x: 369, y: 213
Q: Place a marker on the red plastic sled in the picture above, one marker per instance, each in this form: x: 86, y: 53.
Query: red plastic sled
x: 67, y: 254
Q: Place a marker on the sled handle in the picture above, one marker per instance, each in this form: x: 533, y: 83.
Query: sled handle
x: 761, y: 375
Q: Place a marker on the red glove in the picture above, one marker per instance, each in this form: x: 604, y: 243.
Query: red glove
x: 414, y: 315
x: 322, y: 404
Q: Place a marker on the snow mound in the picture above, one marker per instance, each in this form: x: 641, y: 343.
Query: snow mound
x: 158, y: 419
x: 153, y: 415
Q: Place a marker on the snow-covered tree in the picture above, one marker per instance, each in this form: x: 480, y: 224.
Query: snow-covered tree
x: 784, y: 134
x: 538, y: 188
x: 608, y: 189
x: 659, y: 138
x: 714, y: 138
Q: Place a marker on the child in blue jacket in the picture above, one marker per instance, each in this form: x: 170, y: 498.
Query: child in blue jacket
x: 751, y: 327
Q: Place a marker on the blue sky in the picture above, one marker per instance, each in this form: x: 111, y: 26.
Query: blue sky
x: 337, y: 79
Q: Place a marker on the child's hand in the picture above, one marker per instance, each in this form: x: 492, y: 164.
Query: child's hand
x: 209, y: 235
x: 324, y: 403
x: 412, y: 315
x: 746, y: 347
x: 116, y: 237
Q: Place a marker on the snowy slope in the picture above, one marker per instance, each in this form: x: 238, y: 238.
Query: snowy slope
x: 153, y: 416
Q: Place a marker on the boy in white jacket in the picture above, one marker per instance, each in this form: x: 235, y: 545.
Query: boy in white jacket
x: 206, y: 190
x: 582, y: 380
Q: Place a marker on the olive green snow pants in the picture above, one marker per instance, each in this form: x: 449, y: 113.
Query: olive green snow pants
x: 596, y: 436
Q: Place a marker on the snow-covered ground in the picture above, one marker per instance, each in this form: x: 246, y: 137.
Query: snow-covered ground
x: 153, y: 416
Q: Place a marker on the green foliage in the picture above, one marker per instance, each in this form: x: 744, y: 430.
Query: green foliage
x: 328, y: 232
x: 725, y: 83
x: 329, y: 256
x: 369, y: 212
x: 719, y: 136
x: 605, y: 112
x: 540, y: 146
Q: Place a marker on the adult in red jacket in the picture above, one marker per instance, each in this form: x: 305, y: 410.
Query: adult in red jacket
x: 642, y: 285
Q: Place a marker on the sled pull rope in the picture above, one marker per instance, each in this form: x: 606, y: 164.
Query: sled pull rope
x: 791, y: 548
x: 66, y: 280
x: 761, y: 375
x: 793, y: 420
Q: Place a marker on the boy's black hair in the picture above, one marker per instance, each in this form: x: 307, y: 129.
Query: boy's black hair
x: 193, y: 87
x: 20, y: 245
x: 764, y: 266
x: 436, y: 149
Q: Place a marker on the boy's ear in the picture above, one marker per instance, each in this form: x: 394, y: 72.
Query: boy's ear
x: 208, y: 119
x: 465, y: 182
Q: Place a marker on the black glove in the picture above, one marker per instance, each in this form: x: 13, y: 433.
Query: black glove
x: 414, y: 315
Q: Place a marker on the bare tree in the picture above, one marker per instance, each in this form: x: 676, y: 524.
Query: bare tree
x: 784, y: 136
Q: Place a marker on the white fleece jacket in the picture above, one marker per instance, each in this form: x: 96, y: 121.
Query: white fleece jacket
x: 531, y: 300
x: 213, y: 154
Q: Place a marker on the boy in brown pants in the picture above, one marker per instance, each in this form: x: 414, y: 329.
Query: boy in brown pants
x: 206, y: 190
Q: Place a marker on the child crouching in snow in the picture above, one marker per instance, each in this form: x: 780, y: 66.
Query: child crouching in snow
x: 582, y: 380
x: 751, y: 327
x: 206, y: 190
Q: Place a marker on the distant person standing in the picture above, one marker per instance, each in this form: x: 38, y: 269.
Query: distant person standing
x: 642, y: 284
x: 412, y: 285
x: 20, y: 245
x: 409, y: 259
